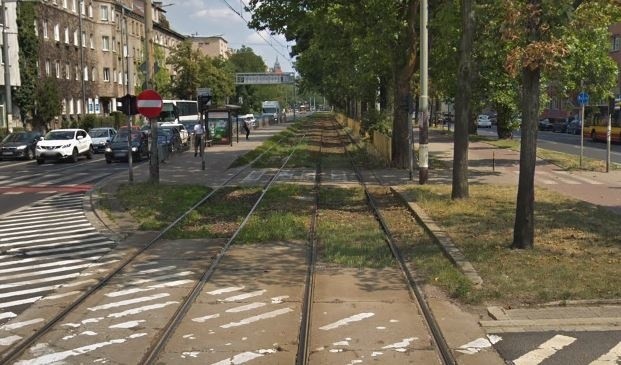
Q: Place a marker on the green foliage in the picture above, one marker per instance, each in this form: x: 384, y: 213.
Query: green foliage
x: 195, y: 71
x: 28, y: 42
x: 245, y: 60
x: 49, y: 103
x: 89, y: 121
x: 375, y: 120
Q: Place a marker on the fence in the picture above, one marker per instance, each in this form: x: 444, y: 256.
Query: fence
x: 381, y: 144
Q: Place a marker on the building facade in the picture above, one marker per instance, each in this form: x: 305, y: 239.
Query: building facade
x: 95, y: 50
x: 213, y: 47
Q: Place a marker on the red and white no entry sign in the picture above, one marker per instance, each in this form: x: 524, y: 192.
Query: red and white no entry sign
x: 149, y: 103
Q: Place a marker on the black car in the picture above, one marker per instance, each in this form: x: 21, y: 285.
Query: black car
x: 169, y: 136
x: 117, y: 149
x: 560, y: 127
x: 545, y: 125
x: 574, y: 127
x: 19, y: 145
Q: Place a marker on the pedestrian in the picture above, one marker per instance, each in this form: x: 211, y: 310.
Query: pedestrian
x: 199, y: 131
x: 246, y: 129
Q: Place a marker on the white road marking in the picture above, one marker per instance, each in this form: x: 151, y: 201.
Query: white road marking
x: 254, y: 176
x: 225, y: 290
x: 244, y: 357
x: 246, y: 307
x: 45, y: 272
x: 245, y: 296
x: 399, y: 345
x: 160, y: 278
x: 16, y: 303
x: 346, y: 321
x: 7, y: 315
x: 612, y: 357
x: 545, y: 350
x: 128, y: 302
x: 479, y: 344
x: 259, y: 317
x: 129, y: 324
x: 62, y: 263
x: 280, y: 299
x: 57, y: 296
x: 129, y: 312
x: 56, y: 357
x: 205, y: 318
x: 8, y: 341
x: 15, y: 325
x: 149, y: 288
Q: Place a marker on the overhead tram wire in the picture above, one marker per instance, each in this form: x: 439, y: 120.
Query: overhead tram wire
x: 259, y: 33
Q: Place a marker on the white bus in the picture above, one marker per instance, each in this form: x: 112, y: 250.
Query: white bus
x: 179, y: 111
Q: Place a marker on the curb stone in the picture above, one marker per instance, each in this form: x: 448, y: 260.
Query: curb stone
x: 442, y: 238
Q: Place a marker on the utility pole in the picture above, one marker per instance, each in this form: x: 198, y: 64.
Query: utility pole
x: 423, y: 145
x: 124, y: 69
x: 7, y: 67
x: 154, y: 162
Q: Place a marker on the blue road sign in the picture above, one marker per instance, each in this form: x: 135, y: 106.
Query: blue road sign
x: 583, y: 98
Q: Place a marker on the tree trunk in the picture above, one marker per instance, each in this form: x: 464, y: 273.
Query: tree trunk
x: 462, y: 103
x: 524, y: 228
x: 403, y: 76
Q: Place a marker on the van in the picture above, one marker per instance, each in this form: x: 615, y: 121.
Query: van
x: 249, y: 119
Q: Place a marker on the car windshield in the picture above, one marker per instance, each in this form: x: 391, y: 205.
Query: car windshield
x: 59, y: 135
x: 17, y: 137
x: 96, y: 133
x: 122, y: 137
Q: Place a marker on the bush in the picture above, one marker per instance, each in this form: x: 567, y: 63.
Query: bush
x: 377, y: 121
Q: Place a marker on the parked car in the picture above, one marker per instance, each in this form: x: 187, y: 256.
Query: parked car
x: 559, y: 127
x: 574, y: 127
x: 62, y: 144
x: 183, y: 132
x: 101, y: 137
x: 483, y: 121
x: 118, y: 150
x: 545, y: 125
x: 19, y: 145
x: 170, y: 138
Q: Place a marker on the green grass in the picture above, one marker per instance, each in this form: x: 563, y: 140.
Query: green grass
x: 155, y: 206
x: 577, y: 250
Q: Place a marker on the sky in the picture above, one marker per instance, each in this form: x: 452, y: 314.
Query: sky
x: 204, y: 18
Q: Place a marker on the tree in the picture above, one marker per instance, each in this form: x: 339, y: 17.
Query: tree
x: 48, y: 102
x: 186, y: 61
x: 28, y: 57
x: 245, y: 60
x: 462, y: 102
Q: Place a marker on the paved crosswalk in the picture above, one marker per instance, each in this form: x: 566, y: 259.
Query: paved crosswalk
x: 553, y: 348
x: 43, y: 246
x: 555, y: 177
x: 22, y: 182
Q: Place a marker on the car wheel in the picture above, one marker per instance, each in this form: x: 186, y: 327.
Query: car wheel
x: 74, y: 155
x: 89, y: 153
x: 28, y: 154
x: 40, y: 161
x: 108, y: 160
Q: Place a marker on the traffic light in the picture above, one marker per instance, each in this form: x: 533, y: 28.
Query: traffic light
x: 204, y: 101
x: 127, y: 105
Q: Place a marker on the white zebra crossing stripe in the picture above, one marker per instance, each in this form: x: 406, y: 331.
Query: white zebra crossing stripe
x: 545, y: 350
x: 254, y: 176
x: 612, y: 357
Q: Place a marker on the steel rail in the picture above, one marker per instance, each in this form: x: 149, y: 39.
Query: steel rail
x: 8, y: 355
x: 443, y: 348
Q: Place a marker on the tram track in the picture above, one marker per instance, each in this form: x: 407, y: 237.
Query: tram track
x: 294, y: 340
x: 13, y: 352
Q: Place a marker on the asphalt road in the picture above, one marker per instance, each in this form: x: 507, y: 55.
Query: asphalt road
x: 567, y: 143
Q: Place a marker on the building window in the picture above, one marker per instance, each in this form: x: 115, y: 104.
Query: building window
x: 57, y: 69
x: 94, y: 74
x: 83, y: 39
x: 67, y: 71
x: 120, y: 78
x: 106, y: 74
x: 113, y: 44
x: 67, y: 35
x: 45, y: 29
x: 64, y: 4
x: 616, y: 43
x: 77, y: 72
x: 85, y: 73
x: 56, y: 32
x: 47, y: 68
x: 104, y: 12
x: 114, y: 75
x: 75, y: 38
x: 82, y: 8
x: 105, y: 43
x: 91, y: 42
x: 90, y: 10
x: 74, y: 5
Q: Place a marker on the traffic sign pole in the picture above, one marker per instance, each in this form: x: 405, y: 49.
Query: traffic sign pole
x: 149, y: 104
x: 583, y: 99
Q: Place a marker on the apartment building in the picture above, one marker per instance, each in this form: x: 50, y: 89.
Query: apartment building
x: 95, y: 50
x: 213, y: 47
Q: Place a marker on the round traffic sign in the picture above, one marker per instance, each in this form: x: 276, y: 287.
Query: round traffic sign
x: 149, y: 103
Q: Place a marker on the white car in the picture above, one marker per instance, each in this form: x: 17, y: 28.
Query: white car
x: 62, y: 144
x: 183, y: 132
x: 249, y: 119
x: 483, y: 121
x: 101, y: 137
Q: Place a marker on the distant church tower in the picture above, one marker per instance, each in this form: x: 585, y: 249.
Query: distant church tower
x: 277, y: 69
